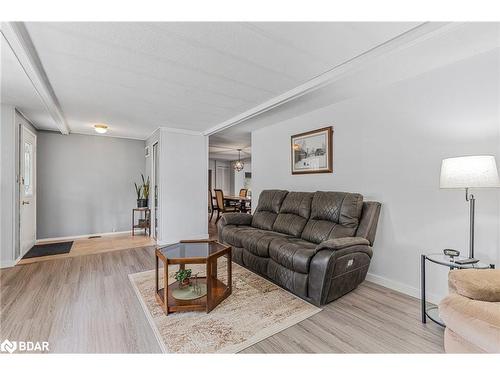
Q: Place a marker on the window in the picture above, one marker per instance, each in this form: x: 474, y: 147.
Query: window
x: 28, y: 169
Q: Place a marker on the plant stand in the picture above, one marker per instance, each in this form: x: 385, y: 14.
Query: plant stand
x: 144, y: 220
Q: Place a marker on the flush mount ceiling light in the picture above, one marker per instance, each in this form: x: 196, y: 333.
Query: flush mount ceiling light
x: 100, y: 128
x: 238, y: 166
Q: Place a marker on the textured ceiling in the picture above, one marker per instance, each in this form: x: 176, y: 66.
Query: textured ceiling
x: 139, y: 76
x: 459, y: 42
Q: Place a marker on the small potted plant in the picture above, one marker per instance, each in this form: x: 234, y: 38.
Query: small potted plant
x: 142, y: 192
x: 145, y: 189
x: 138, y: 191
x: 183, y: 277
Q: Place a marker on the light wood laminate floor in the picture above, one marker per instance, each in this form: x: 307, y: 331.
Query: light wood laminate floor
x: 86, y: 304
x: 86, y: 246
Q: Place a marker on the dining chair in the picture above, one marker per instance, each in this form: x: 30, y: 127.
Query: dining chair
x: 211, y: 204
x: 221, y: 207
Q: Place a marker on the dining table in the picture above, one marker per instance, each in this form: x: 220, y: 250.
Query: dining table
x: 236, y: 199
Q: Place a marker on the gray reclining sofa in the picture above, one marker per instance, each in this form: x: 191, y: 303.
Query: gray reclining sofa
x: 316, y: 245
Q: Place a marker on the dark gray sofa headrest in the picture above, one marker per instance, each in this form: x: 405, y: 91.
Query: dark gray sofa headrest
x: 333, y: 215
x: 294, y: 213
x: 269, y: 205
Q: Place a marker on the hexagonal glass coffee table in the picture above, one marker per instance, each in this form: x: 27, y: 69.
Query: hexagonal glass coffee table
x: 203, y: 293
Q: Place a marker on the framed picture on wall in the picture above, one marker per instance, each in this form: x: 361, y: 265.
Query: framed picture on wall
x: 312, y: 152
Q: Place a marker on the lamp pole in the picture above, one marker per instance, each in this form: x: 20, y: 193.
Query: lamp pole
x: 472, y: 205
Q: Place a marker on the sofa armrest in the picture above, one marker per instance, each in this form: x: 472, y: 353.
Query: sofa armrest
x: 337, y: 268
x: 342, y: 243
x: 232, y: 218
x: 236, y: 219
x: 481, y: 285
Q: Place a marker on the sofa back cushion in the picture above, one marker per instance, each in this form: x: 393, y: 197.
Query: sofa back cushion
x: 333, y: 215
x: 294, y: 212
x: 267, y: 210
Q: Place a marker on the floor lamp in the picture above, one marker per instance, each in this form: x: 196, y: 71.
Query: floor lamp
x: 468, y: 172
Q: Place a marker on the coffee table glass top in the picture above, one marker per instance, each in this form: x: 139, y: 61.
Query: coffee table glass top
x: 192, y: 250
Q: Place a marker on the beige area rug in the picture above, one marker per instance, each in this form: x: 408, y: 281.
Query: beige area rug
x: 255, y: 310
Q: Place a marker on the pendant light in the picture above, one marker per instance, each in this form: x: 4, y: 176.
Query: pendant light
x: 238, y: 166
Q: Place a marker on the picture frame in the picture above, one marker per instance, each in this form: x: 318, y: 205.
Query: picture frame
x: 312, y: 151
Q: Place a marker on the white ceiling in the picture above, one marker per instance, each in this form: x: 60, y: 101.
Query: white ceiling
x: 17, y: 89
x: 456, y: 42
x: 138, y: 76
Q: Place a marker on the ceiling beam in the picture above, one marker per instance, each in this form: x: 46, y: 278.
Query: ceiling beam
x: 415, y: 35
x: 20, y: 42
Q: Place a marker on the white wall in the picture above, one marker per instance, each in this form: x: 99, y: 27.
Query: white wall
x: 86, y: 183
x: 183, y: 186
x: 7, y: 184
x: 388, y: 145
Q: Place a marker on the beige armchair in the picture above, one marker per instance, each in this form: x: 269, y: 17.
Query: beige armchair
x: 471, y: 312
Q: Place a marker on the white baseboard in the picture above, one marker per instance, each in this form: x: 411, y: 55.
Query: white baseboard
x: 10, y: 263
x: 7, y: 264
x: 169, y: 241
x: 79, y: 236
x: 402, y: 288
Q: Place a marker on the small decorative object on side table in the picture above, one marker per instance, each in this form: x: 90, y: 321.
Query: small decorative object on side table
x: 447, y: 261
x: 201, y: 294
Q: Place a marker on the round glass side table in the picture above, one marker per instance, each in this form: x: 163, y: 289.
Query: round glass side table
x: 432, y: 312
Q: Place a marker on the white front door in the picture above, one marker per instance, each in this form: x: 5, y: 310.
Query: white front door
x: 27, y: 195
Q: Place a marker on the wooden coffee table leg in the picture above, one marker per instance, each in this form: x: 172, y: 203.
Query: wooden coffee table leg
x: 209, y: 286
x: 230, y: 271
x: 165, y: 286
x: 156, y: 273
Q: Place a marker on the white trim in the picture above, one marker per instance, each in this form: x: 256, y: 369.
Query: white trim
x: 19, y: 41
x: 42, y: 240
x: 156, y: 186
x: 8, y: 264
x: 182, y: 131
x: 417, y: 34
x: 107, y: 135
x: 25, y: 117
x: 24, y: 128
x: 402, y: 288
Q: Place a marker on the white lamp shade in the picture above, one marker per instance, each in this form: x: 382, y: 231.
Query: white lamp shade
x: 469, y: 172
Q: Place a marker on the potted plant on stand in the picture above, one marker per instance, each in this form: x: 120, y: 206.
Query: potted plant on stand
x: 140, y: 201
x: 145, y: 189
x: 183, y: 277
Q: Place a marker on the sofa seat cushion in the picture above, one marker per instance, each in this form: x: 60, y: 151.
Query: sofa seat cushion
x: 234, y: 234
x: 257, y: 241
x: 292, y: 253
x: 478, y: 322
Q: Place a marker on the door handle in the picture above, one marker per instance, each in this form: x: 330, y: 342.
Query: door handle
x: 26, y: 202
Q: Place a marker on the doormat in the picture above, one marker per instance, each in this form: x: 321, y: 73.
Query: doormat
x: 49, y: 249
